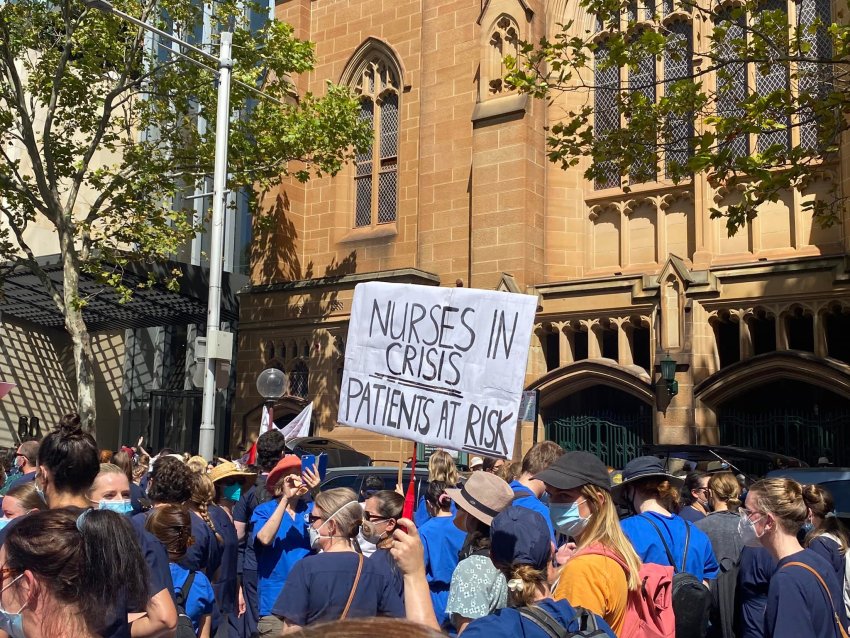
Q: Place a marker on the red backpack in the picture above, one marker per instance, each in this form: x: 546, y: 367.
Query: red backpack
x: 649, y: 610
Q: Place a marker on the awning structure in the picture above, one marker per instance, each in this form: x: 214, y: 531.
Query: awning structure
x: 23, y: 296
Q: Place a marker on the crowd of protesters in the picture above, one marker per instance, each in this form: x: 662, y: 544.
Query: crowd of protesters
x: 101, y: 544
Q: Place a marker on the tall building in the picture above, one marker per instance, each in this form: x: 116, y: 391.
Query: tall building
x: 457, y: 190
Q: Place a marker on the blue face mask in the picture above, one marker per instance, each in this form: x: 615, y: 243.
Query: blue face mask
x: 232, y: 492
x: 12, y: 624
x: 124, y: 506
x: 4, y: 521
x: 566, y: 518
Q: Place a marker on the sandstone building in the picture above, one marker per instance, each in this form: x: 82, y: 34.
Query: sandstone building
x: 457, y: 189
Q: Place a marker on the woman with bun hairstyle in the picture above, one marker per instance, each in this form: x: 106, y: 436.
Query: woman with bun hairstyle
x: 381, y: 512
x: 522, y: 550
x: 339, y: 582
x: 68, y: 465
x: 442, y: 542
x: 721, y: 527
x: 804, y: 597
x: 826, y: 535
x: 67, y: 572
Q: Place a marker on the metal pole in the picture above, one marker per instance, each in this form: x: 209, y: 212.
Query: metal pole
x: 222, y: 130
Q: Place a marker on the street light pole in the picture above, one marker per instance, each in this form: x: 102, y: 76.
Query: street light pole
x: 206, y: 441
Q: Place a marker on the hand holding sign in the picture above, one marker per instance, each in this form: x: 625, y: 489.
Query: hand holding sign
x: 443, y: 366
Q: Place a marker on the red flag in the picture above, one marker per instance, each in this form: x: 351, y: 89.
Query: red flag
x: 410, y: 495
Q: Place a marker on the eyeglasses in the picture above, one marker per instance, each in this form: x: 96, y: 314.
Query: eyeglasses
x: 745, y: 513
x: 371, y: 518
x: 5, y: 572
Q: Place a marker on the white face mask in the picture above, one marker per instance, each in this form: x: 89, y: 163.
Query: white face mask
x: 749, y: 534
x: 315, y: 534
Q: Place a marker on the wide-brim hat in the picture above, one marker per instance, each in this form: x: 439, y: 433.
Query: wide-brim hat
x: 228, y: 469
x: 483, y: 496
x: 289, y: 464
x: 643, y: 467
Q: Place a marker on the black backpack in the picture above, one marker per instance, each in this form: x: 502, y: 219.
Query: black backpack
x: 692, y: 600
x: 185, y: 629
x: 583, y: 624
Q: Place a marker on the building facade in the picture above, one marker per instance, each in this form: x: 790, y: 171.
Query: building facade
x: 457, y: 190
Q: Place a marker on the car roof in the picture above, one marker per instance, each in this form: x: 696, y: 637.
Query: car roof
x: 373, y: 469
x: 711, y: 453
x: 812, y: 474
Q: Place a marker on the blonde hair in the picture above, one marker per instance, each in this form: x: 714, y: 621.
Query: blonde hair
x: 820, y: 501
x: 509, y: 471
x: 342, y: 503
x: 441, y: 467
x: 532, y: 580
x: 197, y: 464
x: 106, y: 468
x: 203, y: 494
x: 783, y: 498
x: 604, y: 529
x: 726, y: 489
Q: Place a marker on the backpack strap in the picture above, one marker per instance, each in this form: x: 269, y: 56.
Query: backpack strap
x: 664, y: 542
x: 841, y: 630
x: 353, y: 587
x: 544, y: 620
x: 687, y: 542
x: 183, y: 593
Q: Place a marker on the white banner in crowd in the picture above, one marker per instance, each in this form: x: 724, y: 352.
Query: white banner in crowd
x: 440, y: 366
x: 300, y: 425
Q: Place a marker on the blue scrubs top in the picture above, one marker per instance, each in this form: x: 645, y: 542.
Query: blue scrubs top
x: 442, y: 542
x: 797, y: 604
x: 754, y: 574
x: 647, y: 543
x: 275, y: 561
x: 524, y: 497
x: 319, y: 586
x: 508, y: 623
x: 200, y: 599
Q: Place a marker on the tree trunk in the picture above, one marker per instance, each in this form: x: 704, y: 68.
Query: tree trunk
x: 78, y: 331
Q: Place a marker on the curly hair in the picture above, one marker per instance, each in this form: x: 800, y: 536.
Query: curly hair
x: 270, y: 447
x: 170, y: 481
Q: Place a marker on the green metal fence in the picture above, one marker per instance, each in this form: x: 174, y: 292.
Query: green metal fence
x: 805, y: 435
x: 614, y: 438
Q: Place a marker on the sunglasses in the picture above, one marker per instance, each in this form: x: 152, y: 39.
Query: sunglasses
x: 371, y: 518
x: 312, y: 519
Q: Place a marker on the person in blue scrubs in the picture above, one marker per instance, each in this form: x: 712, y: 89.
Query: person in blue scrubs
x: 754, y: 573
x: 172, y: 525
x: 230, y: 482
x: 804, y: 598
x: 441, y: 467
x: 279, y: 537
x: 652, y: 494
x: 338, y: 582
x: 824, y: 533
x: 528, y: 490
x: 442, y: 541
x: 521, y: 547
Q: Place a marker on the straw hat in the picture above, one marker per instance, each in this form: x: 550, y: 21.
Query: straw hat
x: 228, y: 469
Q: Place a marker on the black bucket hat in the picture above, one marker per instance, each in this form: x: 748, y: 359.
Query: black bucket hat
x: 643, y: 467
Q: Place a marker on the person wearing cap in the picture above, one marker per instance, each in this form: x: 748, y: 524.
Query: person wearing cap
x: 604, y: 567
x: 527, y: 488
x: 228, y: 480
x: 476, y: 464
x: 521, y: 549
x: 280, y: 537
x: 652, y: 494
x: 477, y: 587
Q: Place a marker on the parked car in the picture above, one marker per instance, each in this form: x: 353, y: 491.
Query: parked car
x: 353, y: 477
x: 836, y: 480
x: 752, y: 463
x: 339, y: 454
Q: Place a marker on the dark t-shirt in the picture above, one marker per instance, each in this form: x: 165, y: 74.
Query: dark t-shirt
x: 797, y: 604
x: 225, y: 586
x: 508, y: 622
x: 830, y: 551
x: 318, y: 587
x: 383, y: 555
x: 691, y: 514
x: 242, y: 512
x: 757, y: 568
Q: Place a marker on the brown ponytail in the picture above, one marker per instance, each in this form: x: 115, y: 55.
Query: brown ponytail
x: 524, y: 584
x: 203, y: 493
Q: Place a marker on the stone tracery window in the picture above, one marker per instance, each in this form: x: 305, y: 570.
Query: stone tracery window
x: 376, y: 177
x: 504, y: 41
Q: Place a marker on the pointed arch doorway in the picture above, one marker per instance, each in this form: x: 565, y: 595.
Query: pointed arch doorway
x: 599, y: 407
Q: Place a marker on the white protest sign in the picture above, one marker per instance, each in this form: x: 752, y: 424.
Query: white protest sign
x: 440, y: 366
